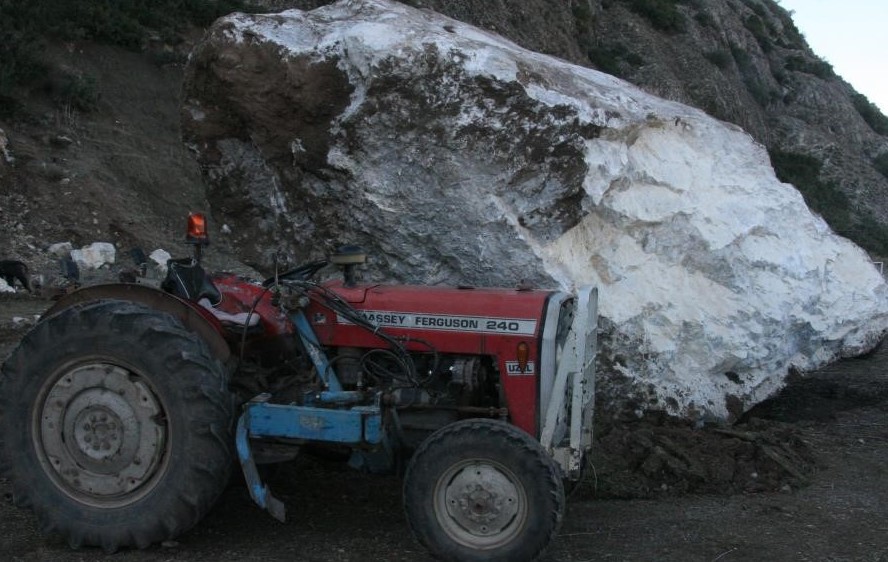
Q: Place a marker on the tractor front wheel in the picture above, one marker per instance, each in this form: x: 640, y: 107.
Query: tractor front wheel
x: 483, y: 490
x: 115, y: 425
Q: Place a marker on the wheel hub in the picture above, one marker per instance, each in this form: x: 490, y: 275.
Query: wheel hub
x: 98, y: 432
x: 102, y: 433
x: 483, y: 504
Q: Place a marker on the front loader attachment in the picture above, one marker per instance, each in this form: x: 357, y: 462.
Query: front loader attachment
x: 567, y: 425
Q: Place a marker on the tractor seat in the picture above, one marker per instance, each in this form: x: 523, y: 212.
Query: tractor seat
x: 187, y: 280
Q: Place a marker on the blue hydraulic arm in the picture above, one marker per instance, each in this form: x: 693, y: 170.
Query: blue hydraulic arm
x: 313, y: 347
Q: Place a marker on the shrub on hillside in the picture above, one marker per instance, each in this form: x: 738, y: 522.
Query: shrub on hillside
x: 126, y: 23
x: 819, y: 68
x: 721, y: 59
x: 613, y: 59
x: 880, y: 163
x: 870, y: 113
x: 756, y: 26
x: 803, y: 171
x: 662, y: 14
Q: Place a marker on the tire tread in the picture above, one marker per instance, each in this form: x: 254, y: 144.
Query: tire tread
x: 523, y: 445
x: 197, y: 378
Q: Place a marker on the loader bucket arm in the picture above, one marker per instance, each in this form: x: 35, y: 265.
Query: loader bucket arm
x: 567, y: 425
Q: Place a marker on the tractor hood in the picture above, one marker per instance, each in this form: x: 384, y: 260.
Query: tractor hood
x: 509, y: 311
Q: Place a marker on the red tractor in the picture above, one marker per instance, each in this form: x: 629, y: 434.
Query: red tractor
x: 121, y: 410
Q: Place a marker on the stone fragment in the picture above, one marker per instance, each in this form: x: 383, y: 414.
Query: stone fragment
x: 60, y: 249
x: 160, y: 257
x: 94, y: 256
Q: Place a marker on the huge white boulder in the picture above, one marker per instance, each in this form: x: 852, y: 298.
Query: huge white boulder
x: 455, y: 156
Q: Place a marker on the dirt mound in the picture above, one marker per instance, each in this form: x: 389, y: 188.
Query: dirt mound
x: 769, y: 450
x: 648, y: 459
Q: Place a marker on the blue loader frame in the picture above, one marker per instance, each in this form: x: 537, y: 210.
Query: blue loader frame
x: 331, y: 416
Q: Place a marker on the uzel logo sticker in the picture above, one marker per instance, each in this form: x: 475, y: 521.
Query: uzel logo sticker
x: 513, y: 369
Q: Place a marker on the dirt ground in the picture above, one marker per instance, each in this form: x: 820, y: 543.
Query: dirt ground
x: 802, y: 477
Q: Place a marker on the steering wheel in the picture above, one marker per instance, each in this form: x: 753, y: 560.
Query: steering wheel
x: 299, y: 273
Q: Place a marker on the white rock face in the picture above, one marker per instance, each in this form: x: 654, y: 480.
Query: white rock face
x: 95, y: 255
x: 455, y: 156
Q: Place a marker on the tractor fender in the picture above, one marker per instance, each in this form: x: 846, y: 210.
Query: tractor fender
x: 192, y: 316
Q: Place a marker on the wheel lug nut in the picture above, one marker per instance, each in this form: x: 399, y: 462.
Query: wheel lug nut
x: 88, y: 438
x: 86, y: 427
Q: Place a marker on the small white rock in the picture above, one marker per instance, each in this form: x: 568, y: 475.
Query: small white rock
x: 95, y: 255
x: 160, y: 257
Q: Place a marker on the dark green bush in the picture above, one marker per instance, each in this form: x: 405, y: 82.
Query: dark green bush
x: 613, y: 59
x: 791, y: 37
x: 663, y: 15
x: 870, y: 234
x: 25, y: 24
x: 721, y: 59
x: 756, y: 26
x: 742, y: 58
x: 582, y: 14
x: 585, y: 25
x: 20, y: 53
x: 803, y: 171
x: 760, y: 92
x: 780, y: 76
x: 880, y: 163
x: 124, y: 22
x: 757, y: 8
x: 870, y: 113
x: 819, y: 68
x: 79, y: 91
x: 704, y: 19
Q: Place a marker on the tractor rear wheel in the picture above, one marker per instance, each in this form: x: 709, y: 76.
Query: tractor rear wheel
x: 483, y: 490
x: 115, y: 425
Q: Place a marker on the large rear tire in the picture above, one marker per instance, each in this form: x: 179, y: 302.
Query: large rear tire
x: 483, y: 490
x: 115, y: 425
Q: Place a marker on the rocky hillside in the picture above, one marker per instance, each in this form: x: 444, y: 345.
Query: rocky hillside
x: 95, y: 154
